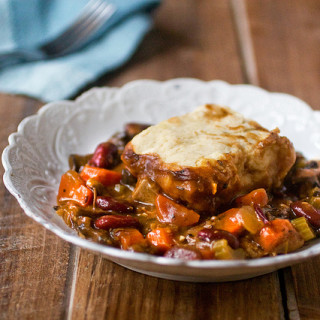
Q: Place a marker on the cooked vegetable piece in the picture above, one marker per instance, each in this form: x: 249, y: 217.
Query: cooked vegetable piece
x: 93, y: 184
x: 76, y: 162
x: 239, y: 254
x: 132, y: 129
x: 169, y: 211
x: 279, y: 236
x: 250, y: 220
x: 315, y: 202
x: 127, y: 178
x: 105, y: 156
x: 110, y: 204
x: 104, y: 176
x: 302, y: 226
x: 116, y: 221
x: 129, y: 237
x: 145, y: 192
x: 209, y: 235
x: 206, y: 253
x: 183, y: 253
x: 161, y: 238
x: 305, y: 209
x: 222, y: 251
x: 73, y: 188
x: 258, y: 197
x: 236, y: 220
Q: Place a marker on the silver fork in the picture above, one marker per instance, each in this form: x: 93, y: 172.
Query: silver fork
x: 94, y: 16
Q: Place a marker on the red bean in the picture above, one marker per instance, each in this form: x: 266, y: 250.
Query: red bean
x: 132, y: 129
x: 182, y: 253
x: 209, y: 235
x: 260, y: 213
x: 110, y: 204
x: 116, y: 221
x: 305, y: 209
x: 105, y: 156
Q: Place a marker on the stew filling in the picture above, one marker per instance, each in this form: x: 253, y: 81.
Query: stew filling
x: 104, y: 202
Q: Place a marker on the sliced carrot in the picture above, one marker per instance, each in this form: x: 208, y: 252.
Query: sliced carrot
x: 170, y: 212
x: 231, y: 221
x: 129, y: 237
x: 258, y: 196
x: 104, y: 176
x: 161, y: 238
x: 236, y: 220
x: 279, y: 236
x: 207, y: 253
x: 73, y: 188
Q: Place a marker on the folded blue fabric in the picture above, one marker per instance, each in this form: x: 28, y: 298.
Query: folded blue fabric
x: 31, y: 23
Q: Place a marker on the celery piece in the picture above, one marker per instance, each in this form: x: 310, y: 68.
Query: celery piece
x: 302, y: 226
x: 222, y: 251
x: 315, y: 201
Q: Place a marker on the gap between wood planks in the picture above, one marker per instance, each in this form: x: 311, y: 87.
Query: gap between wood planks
x: 71, y: 282
x: 249, y: 69
x: 244, y: 41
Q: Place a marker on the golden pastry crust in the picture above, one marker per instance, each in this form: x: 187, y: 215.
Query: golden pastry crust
x: 208, y: 157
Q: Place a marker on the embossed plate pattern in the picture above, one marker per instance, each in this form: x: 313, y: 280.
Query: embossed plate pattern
x: 38, y: 153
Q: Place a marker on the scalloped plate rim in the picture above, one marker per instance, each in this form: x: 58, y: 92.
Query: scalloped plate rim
x: 110, y: 252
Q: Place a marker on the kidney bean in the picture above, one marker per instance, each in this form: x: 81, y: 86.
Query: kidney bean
x: 260, y: 213
x: 209, y: 235
x: 116, y: 221
x: 182, y: 253
x: 105, y: 156
x: 110, y: 204
x: 305, y: 209
x: 132, y: 129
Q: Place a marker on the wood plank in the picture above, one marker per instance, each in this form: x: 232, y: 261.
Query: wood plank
x: 287, y: 46
x: 108, y: 291
x: 306, y: 279
x: 189, y: 39
x: 287, y: 43
x: 33, y: 261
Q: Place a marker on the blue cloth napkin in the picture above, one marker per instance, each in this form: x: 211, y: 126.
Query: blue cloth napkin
x: 30, y: 23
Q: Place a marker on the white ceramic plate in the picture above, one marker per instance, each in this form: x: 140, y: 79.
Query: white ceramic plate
x: 38, y: 153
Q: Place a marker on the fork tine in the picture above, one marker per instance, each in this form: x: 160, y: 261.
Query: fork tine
x: 83, y: 34
x: 94, y: 15
x: 66, y: 39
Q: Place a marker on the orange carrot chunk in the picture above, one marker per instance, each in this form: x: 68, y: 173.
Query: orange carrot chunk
x: 104, y: 176
x: 258, y: 197
x: 279, y: 236
x: 230, y: 221
x: 129, y: 237
x: 236, y: 220
x: 72, y: 188
x: 170, y: 212
x: 161, y: 238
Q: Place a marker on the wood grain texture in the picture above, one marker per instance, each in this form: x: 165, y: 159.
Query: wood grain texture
x: 42, y: 277
x: 33, y: 261
x: 105, y: 290
x: 189, y: 39
x: 286, y: 38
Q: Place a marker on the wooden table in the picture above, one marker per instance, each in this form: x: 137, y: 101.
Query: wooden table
x: 274, y: 44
